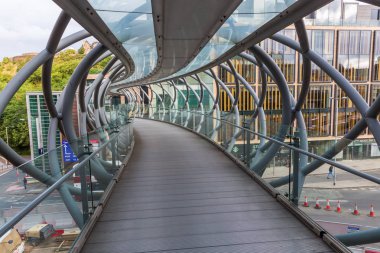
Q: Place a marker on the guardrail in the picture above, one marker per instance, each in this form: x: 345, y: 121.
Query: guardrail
x: 252, y: 150
x: 111, y: 152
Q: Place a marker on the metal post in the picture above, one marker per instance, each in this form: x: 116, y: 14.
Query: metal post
x: 224, y: 130
x: 83, y: 187
x: 336, y: 136
x: 244, y: 140
x: 206, y: 125
x: 248, y: 143
x: 247, y: 138
x: 297, y: 180
x: 193, y: 120
x: 290, y: 136
x: 6, y: 133
x: 113, y: 151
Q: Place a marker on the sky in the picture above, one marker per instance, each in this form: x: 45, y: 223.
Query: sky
x: 25, y: 25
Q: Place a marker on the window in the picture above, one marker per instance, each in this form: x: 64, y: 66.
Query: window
x: 329, y: 14
x: 243, y: 67
x: 285, y: 57
x: 316, y: 110
x: 322, y: 42
x: 353, y: 57
x: 272, y: 106
x: 348, y: 115
x: 245, y: 100
x: 375, y: 14
x: 350, y: 12
x: 376, y: 57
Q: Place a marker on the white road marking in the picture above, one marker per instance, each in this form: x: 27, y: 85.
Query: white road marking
x: 5, y: 173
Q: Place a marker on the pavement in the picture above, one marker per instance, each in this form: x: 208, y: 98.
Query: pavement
x: 4, y: 168
x: 349, y: 189
x: 13, y: 197
x: 318, y: 178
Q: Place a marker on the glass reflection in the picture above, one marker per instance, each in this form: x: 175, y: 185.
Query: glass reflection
x: 247, y: 18
x: 132, y: 24
x: 322, y: 42
x: 353, y: 57
x: 285, y: 57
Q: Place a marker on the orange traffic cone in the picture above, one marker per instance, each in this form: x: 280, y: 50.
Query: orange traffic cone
x: 356, y: 211
x: 372, y: 212
x: 328, y: 207
x: 338, y: 208
x: 306, y: 203
x: 317, y: 205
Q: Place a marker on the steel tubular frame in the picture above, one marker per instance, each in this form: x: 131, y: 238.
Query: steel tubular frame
x: 121, y: 65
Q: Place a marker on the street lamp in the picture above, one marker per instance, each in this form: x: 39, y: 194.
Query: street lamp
x: 335, y: 132
x: 336, y: 115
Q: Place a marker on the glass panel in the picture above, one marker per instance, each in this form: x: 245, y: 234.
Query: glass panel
x: 376, y: 56
x: 350, y: 12
x: 50, y: 224
x: 282, y: 55
x: 321, y: 41
x: 132, y: 24
x: 353, y: 60
x: 238, y: 26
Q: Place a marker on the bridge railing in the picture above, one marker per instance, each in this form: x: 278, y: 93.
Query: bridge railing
x: 288, y: 167
x: 79, y: 173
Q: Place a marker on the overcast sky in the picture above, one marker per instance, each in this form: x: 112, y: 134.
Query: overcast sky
x: 25, y: 25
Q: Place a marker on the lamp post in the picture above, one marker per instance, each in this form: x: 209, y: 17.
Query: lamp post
x: 335, y: 132
x: 336, y: 115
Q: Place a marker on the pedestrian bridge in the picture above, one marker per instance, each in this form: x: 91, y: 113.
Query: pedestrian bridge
x: 180, y: 193
x: 203, y: 86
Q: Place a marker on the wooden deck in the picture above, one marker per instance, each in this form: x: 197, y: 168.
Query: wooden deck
x: 179, y: 193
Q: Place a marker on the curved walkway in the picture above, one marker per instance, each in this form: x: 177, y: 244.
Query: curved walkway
x: 179, y: 193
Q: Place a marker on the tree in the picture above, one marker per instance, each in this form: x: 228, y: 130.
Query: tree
x: 81, y: 50
x: 64, y: 65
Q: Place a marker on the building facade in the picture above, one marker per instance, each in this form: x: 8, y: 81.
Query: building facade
x: 39, y: 122
x: 347, y: 35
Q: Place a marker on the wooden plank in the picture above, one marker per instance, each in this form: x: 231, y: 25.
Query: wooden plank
x: 181, y: 194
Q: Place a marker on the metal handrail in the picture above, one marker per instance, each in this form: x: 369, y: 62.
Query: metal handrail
x: 317, y: 157
x: 28, y: 208
x: 60, y: 146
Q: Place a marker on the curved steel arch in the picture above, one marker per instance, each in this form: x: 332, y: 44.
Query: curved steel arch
x: 291, y: 109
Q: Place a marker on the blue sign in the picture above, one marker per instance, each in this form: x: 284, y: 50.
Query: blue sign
x: 68, y: 154
x: 352, y: 229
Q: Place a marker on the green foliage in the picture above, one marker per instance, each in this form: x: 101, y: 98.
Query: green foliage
x: 6, y: 60
x: 100, y: 66
x: 14, y: 122
x: 81, y: 50
x: 64, y: 65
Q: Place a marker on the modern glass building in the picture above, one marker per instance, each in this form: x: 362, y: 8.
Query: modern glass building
x: 275, y: 94
x: 347, y: 35
x: 39, y: 122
